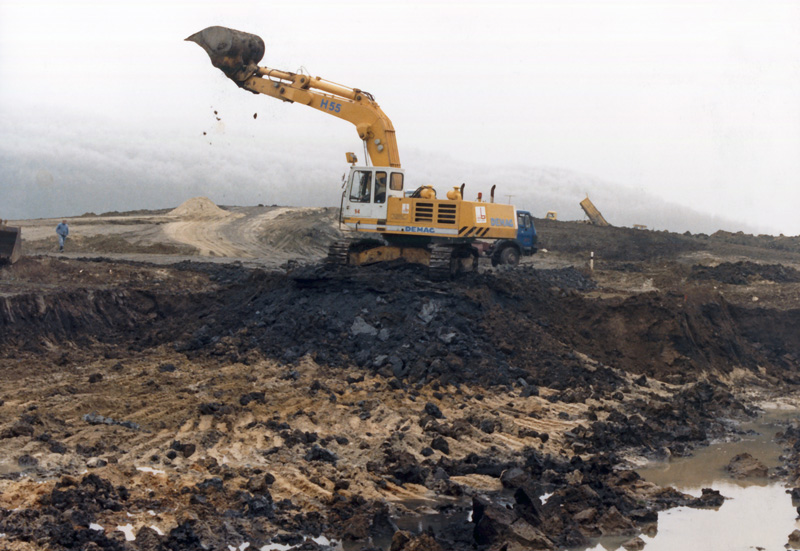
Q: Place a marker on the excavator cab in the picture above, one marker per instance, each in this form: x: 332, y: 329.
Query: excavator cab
x: 10, y: 243
x: 368, y: 189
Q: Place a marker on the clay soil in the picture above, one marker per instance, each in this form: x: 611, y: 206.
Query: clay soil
x: 200, y: 379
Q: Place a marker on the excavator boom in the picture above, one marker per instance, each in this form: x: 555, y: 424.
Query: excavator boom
x: 238, y: 53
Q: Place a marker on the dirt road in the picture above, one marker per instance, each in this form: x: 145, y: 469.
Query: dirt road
x: 265, y: 236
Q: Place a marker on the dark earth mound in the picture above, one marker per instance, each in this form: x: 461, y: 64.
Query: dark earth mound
x: 744, y: 273
x: 612, y: 243
x: 492, y: 328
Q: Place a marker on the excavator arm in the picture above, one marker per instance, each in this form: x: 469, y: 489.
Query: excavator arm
x: 237, y: 54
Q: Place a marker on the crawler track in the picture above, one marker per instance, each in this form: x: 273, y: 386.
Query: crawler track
x: 337, y: 253
x: 440, y: 267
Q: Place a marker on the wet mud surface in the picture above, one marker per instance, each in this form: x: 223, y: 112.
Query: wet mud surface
x: 201, y: 405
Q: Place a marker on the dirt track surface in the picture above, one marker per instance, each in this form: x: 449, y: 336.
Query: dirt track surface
x: 209, y: 404
x: 259, y: 236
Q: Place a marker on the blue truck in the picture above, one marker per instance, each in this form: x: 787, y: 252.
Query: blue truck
x: 509, y: 251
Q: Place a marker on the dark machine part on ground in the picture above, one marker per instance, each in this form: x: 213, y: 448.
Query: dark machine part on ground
x: 10, y: 243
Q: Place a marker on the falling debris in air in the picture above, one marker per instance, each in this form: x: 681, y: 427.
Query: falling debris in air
x: 255, y: 115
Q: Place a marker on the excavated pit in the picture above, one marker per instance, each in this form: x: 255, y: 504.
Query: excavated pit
x: 210, y: 405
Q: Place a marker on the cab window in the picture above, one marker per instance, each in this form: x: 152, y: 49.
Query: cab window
x: 380, y: 187
x: 523, y: 221
x: 361, y: 186
x: 397, y: 181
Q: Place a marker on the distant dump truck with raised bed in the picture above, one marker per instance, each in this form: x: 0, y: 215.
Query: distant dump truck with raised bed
x: 389, y: 218
x: 594, y: 215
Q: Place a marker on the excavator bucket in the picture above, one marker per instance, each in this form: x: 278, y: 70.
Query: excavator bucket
x: 10, y: 247
x: 235, y: 53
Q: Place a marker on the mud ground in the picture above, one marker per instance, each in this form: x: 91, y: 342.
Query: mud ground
x: 200, y: 379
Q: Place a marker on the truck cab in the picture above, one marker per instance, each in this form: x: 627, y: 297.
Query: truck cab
x: 526, y: 232
x: 509, y: 251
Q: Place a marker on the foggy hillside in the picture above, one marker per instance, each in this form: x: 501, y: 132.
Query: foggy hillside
x: 60, y: 171
x: 542, y: 189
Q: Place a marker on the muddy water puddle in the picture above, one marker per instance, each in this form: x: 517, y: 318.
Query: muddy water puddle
x: 758, y: 513
x: 754, y: 517
x: 707, y: 465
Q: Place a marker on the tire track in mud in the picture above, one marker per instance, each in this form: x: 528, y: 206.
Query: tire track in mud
x: 204, y: 235
x: 247, y: 232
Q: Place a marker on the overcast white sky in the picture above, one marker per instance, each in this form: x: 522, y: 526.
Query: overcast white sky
x: 697, y: 102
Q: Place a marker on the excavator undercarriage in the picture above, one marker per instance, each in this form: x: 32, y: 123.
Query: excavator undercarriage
x: 444, y: 260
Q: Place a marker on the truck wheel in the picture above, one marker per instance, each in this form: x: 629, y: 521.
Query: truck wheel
x: 509, y: 256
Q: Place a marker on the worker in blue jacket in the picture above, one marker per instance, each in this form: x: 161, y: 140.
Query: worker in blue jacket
x: 62, y: 230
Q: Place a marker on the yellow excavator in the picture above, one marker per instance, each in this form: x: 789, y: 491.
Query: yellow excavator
x: 10, y: 243
x: 392, y: 219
